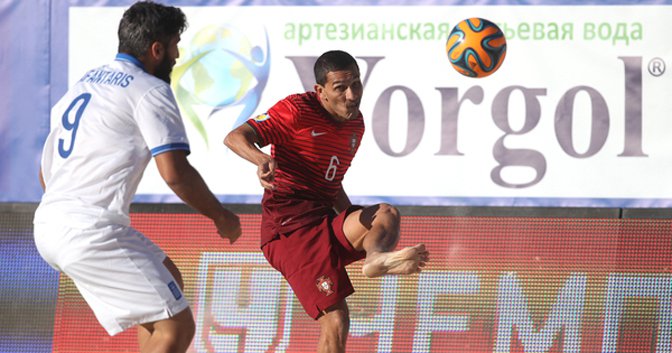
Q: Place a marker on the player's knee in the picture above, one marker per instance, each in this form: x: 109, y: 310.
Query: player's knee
x: 336, y: 322
x: 390, y: 212
x: 188, y: 331
x: 187, y: 326
x: 336, y: 318
x: 179, y: 331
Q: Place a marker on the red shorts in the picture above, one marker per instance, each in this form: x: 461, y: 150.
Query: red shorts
x: 312, y: 259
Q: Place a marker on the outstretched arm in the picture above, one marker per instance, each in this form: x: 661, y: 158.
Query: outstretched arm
x: 243, y: 141
x: 189, y: 186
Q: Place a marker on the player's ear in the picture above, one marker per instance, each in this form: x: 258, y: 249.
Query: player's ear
x: 320, y: 90
x: 156, y: 50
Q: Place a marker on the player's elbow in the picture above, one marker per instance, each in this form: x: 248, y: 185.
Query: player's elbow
x: 173, y: 179
x: 235, y: 139
x: 241, y: 138
x: 229, y: 139
x: 174, y: 168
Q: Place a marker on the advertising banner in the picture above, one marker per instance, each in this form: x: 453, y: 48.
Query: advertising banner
x: 577, y: 115
x: 542, y: 285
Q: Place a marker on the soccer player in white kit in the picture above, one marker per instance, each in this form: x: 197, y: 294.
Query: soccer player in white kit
x: 104, y: 132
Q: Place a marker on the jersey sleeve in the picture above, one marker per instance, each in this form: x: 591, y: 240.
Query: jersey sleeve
x: 160, y: 123
x: 277, y: 125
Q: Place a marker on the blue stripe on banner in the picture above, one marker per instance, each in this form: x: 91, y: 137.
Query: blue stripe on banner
x: 384, y: 2
x: 170, y: 147
x: 172, y: 198
x: 446, y: 201
x: 513, y: 201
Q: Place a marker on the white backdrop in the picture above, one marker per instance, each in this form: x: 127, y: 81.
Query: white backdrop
x: 577, y: 84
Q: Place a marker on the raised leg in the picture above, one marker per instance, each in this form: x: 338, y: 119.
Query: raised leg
x: 375, y: 229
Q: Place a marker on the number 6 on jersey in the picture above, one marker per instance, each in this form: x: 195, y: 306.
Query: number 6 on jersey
x: 333, y: 166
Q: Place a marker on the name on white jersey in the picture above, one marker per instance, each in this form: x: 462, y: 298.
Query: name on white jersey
x: 106, y: 77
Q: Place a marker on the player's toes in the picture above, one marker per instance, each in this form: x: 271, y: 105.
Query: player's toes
x: 420, y: 248
x: 423, y: 257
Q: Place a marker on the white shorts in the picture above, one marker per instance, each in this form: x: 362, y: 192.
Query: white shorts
x: 117, y: 270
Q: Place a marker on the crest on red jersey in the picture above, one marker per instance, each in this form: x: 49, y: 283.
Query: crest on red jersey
x: 325, y: 285
x: 353, y: 143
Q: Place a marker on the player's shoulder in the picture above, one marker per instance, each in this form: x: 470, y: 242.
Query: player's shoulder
x: 300, y: 100
x: 293, y: 104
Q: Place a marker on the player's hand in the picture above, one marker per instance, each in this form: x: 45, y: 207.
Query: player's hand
x: 228, y: 226
x: 266, y: 173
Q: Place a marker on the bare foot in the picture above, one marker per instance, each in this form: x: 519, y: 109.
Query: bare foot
x: 402, y: 262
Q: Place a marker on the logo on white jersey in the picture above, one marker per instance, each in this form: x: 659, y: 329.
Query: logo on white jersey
x: 175, y: 290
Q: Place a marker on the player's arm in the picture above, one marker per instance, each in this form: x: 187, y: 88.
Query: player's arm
x: 42, y: 183
x: 188, y: 185
x: 243, y: 141
x: 342, y: 201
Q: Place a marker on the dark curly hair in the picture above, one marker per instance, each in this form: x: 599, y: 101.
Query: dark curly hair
x: 146, y: 22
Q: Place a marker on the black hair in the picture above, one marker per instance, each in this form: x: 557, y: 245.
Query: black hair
x: 146, y: 22
x: 334, y: 60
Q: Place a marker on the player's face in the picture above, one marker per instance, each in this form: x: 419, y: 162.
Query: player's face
x: 341, y: 93
x: 171, y: 53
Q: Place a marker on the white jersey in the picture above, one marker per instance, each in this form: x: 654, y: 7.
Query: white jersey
x: 104, y: 132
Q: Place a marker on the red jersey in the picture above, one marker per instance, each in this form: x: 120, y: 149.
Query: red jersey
x: 312, y: 151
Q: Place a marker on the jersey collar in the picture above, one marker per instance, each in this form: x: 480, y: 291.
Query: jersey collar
x: 131, y: 59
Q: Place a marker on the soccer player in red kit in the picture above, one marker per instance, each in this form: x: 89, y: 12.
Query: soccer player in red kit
x: 309, y: 230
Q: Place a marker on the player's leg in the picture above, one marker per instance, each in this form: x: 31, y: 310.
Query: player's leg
x: 153, y: 336
x: 334, y: 327
x: 375, y: 229
x: 318, y: 277
x: 122, y: 276
x: 169, y: 335
x: 143, y: 337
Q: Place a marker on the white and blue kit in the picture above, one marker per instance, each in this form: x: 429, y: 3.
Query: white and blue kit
x: 104, y: 131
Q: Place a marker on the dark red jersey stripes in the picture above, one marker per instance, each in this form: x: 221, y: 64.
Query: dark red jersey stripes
x: 313, y: 151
